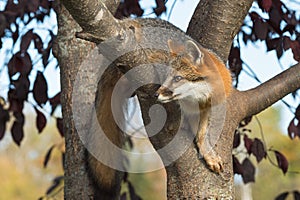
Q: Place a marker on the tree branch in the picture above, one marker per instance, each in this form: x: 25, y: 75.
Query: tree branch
x: 95, y: 18
x: 257, y: 99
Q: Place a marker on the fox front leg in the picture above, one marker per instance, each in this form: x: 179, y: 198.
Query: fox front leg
x: 212, y: 159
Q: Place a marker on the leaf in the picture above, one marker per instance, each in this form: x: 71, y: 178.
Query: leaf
x: 297, y: 113
x: 282, y: 196
x: 249, y: 171
x: 260, y: 29
x: 272, y: 43
x: 236, y: 139
x: 48, y: 155
x: 59, y: 125
x: 248, y: 143
x: 275, y: 20
x: 17, y: 128
x: 296, y: 195
x: 38, y: 43
x: 295, y: 46
x: 237, y: 167
x: 245, y: 121
x: 54, y: 102
x: 266, y: 5
x: 123, y: 196
x: 281, y: 161
x: 133, y: 195
x: 19, y: 62
x: 160, y: 8
x: 4, y: 117
x: 21, y: 88
x: 234, y: 61
x: 57, y: 184
x: 294, y: 130
x: 41, y: 120
x: 15, y: 105
x: 26, y: 40
x: 40, y: 89
x: 258, y: 150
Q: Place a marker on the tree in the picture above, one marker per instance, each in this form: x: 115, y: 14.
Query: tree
x: 221, y: 24
x: 92, y: 21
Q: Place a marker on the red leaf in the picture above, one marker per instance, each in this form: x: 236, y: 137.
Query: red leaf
x: 234, y: 60
x: 249, y: 171
x: 272, y: 43
x: 236, y: 139
x: 48, y: 155
x: 38, y: 43
x: 54, y: 102
x: 237, y: 167
x: 40, y: 89
x: 260, y: 29
x: 275, y: 19
x: 4, y: 117
x: 258, y: 150
x: 248, y: 143
x: 17, y: 128
x: 21, y: 88
x: 297, y: 113
x: 132, y: 193
x: 266, y: 4
x: 32, y: 5
x: 26, y: 40
x: 41, y: 120
x: 281, y: 161
x: 20, y: 62
x: 59, y: 125
x: 282, y: 196
x: 245, y: 121
x: 295, y: 46
x: 296, y: 195
x: 286, y: 43
x: 160, y: 8
x: 294, y: 130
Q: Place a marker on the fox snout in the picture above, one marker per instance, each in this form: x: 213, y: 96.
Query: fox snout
x: 163, y: 94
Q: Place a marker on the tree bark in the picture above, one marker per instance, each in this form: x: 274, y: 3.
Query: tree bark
x: 214, y: 24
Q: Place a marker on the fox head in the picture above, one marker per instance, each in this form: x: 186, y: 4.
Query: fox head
x: 195, y: 75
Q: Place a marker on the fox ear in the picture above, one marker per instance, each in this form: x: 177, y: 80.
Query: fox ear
x: 175, y: 47
x: 193, y: 52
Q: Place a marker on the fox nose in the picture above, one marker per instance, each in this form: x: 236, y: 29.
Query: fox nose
x: 156, y: 94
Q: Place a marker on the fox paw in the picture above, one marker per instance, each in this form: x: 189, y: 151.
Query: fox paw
x: 214, y: 163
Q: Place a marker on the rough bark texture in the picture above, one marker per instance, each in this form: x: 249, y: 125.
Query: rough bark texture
x: 214, y: 24
x: 70, y: 52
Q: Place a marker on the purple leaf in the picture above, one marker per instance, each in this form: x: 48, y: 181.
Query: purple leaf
x: 59, y: 125
x: 236, y: 139
x: 248, y: 143
x: 281, y: 161
x: 282, y: 196
x: 237, y: 167
x: 249, y: 171
x: 48, y: 155
x: 4, y: 117
x: 41, y: 120
x: 26, y: 40
x: 40, y: 89
x: 258, y: 150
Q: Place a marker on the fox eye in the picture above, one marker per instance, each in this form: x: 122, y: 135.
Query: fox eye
x: 177, y: 78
